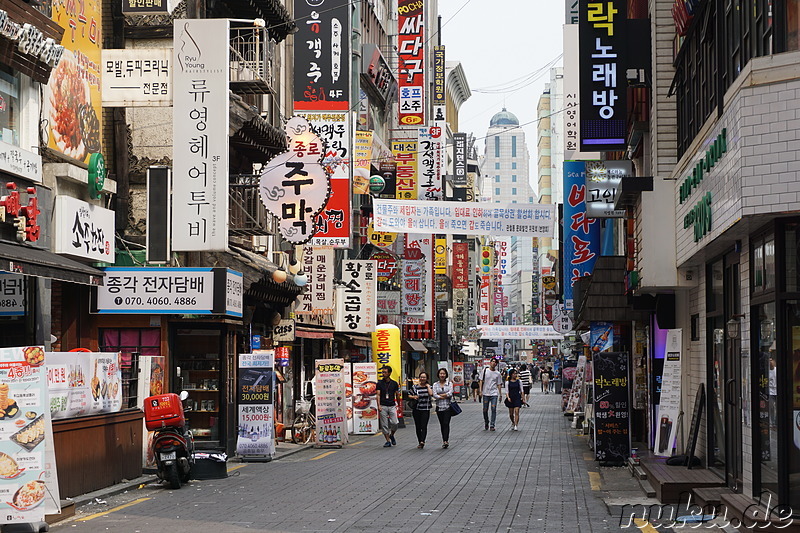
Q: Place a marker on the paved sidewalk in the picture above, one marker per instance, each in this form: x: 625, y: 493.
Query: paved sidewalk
x: 535, y: 479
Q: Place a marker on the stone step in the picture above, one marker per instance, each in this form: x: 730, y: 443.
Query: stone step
x: 647, y: 488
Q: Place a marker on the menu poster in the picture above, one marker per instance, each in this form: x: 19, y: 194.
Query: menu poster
x: 331, y: 405
x: 458, y: 377
x: 365, y: 398
x: 151, y: 383
x: 575, y: 402
x: 348, y: 394
x: 255, y: 403
x: 83, y: 383
x: 611, y: 408
x: 25, y: 482
x: 670, y: 402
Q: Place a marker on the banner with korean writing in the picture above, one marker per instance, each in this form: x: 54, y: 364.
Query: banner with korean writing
x: 334, y: 130
x: 318, y: 264
x: 333, y: 223
x: 137, y: 77
x: 430, y: 141
x: 669, y: 405
x: 603, y: 84
x: 459, y: 160
x: 322, y: 55
x: 438, y: 75
x: 84, y: 230
x: 405, y: 154
x: 485, y: 285
x: 413, y: 287
x: 415, y: 245
x: 330, y: 402
x: 362, y: 156
x: 365, y: 402
x: 388, y: 303
x: 84, y: 383
x: 28, y: 482
x: 460, y: 218
x: 411, y: 65
x: 611, y: 407
x: 255, y: 401
x: 604, y: 186
x: 71, y: 103
x: 581, y: 233
x: 357, y: 311
x: 519, y: 332
x: 200, y: 117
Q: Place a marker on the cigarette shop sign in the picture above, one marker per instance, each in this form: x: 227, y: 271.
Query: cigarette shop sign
x: 171, y: 291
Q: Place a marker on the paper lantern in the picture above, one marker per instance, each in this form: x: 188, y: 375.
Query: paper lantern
x: 279, y: 276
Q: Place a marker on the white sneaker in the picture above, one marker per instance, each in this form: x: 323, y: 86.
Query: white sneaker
x: 515, y: 428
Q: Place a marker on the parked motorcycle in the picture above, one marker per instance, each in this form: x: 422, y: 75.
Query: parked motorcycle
x: 173, y: 444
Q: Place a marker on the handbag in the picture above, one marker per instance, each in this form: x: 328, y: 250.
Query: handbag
x: 455, y: 409
x: 507, y: 403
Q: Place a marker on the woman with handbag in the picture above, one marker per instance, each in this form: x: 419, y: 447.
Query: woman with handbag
x: 443, y: 393
x: 421, y: 412
x: 513, y: 397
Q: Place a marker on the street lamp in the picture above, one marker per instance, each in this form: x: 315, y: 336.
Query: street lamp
x: 734, y: 327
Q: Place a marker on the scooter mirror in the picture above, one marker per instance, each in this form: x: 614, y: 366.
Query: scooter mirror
x: 183, y: 395
x: 178, y: 371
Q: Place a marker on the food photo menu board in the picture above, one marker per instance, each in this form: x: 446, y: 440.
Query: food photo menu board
x: 28, y: 484
x: 84, y: 383
x: 331, y: 404
x: 365, y: 398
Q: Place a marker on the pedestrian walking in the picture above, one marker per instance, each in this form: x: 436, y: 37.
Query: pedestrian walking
x: 443, y: 393
x: 525, y: 378
x: 421, y: 413
x: 388, y: 390
x: 491, y: 382
x: 546, y: 374
x: 475, y: 386
x: 513, y: 398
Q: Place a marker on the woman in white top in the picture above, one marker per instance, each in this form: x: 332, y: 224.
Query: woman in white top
x: 443, y: 393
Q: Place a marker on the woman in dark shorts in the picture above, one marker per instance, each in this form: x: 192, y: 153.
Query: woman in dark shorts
x: 513, y: 397
x: 475, y: 386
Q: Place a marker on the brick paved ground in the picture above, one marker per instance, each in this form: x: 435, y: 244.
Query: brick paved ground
x: 532, y: 480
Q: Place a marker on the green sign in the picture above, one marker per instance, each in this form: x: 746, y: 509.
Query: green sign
x: 699, y: 217
x: 376, y: 184
x: 713, y: 154
x: 97, y: 174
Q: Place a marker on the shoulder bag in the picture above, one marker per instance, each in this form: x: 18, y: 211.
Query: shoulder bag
x: 455, y: 409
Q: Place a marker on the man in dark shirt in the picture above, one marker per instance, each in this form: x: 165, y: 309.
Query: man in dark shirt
x: 388, y: 390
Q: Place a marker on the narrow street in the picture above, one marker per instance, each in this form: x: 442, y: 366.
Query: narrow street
x: 532, y: 480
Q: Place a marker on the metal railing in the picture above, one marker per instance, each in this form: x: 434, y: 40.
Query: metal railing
x: 252, y: 61
x: 248, y: 216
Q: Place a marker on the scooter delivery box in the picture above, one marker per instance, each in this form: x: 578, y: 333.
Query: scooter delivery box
x: 163, y: 410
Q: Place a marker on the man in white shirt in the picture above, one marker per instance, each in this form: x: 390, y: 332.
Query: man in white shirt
x: 491, y: 383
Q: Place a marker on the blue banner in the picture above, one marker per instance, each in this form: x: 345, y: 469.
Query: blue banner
x: 581, y: 234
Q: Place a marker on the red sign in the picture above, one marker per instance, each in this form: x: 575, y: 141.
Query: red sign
x: 460, y: 265
x: 333, y: 223
x: 411, y: 69
x: 387, y: 265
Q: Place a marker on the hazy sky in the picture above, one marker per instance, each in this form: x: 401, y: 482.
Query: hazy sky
x: 501, y: 44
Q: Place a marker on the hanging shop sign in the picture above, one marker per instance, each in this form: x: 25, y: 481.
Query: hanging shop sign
x: 28, y: 482
x: 438, y: 75
x: 362, y: 154
x: 137, y: 76
x: 333, y: 222
x: 378, y: 75
x: 430, y: 142
x: 84, y: 383
x: 147, y: 7
x: 19, y: 162
x: 24, y: 217
x: 12, y: 294
x: 283, y: 355
x: 318, y: 265
x: 163, y: 290
x: 386, y: 265
x: 603, y: 84
x: 84, y: 230
x: 356, y: 310
x: 581, y: 233
x: 485, y: 285
x: 71, y: 105
x: 611, y: 408
x: 405, y: 155
x: 295, y: 186
x: 421, y: 246
x: 456, y: 218
x: 459, y: 160
x: 331, y: 409
x: 460, y: 265
x: 380, y: 239
x: 284, y: 331
x: 440, y: 256
x: 388, y: 303
x: 334, y: 130
x: 603, y: 187
x: 200, y: 129
x: 387, y: 171
x: 322, y: 55
x: 518, y: 332
x: 30, y: 41
x: 413, y: 287
x: 411, y: 64
x: 255, y: 402
x: 669, y: 406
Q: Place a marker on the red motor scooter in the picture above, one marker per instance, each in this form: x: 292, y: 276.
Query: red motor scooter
x: 173, y: 444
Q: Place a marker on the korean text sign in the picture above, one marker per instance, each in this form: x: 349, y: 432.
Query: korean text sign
x: 84, y: 230
x: 322, y: 55
x: 611, y: 407
x: 318, y: 264
x: 430, y: 141
x: 411, y: 54
x: 459, y: 159
x: 405, y: 154
x: 461, y: 218
x: 603, y: 84
x: 581, y: 233
x: 331, y: 409
x: 200, y: 124
x: 83, y: 383
x: 140, y: 77
x: 255, y: 401
x: 357, y: 312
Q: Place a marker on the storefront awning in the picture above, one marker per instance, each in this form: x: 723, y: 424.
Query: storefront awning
x: 414, y: 346
x: 364, y: 341
x: 30, y: 261
x: 313, y: 333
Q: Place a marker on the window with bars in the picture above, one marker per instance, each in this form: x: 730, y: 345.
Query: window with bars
x: 131, y: 342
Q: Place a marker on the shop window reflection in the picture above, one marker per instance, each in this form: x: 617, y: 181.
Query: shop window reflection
x: 767, y: 398
x: 793, y: 324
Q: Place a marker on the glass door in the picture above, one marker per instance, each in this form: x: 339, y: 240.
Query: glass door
x: 733, y: 376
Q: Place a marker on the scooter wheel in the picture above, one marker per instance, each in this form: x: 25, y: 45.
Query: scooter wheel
x: 173, y: 476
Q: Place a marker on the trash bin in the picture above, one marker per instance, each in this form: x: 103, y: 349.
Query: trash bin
x: 557, y: 386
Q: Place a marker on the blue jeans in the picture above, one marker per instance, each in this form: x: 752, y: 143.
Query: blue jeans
x: 489, y: 400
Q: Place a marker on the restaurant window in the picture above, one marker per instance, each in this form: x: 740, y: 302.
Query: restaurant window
x: 131, y: 342
x: 9, y: 106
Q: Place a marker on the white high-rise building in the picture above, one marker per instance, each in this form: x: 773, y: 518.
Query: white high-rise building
x: 506, y: 180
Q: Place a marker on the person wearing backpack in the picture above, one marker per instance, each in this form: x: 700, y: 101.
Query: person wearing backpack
x: 525, y: 378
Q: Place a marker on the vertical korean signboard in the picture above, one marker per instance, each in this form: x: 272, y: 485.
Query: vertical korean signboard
x: 430, y: 142
x: 460, y: 287
x: 485, y: 284
x: 411, y: 54
x: 405, y: 154
x: 72, y: 105
x: 581, y: 233
x: 611, y: 407
x: 200, y: 130
x: 357, y: 312
x: 322, y: 55
x: 669, y: 405
x: 459, y: 160
x: 603, y: 84
x: 318, y: 266
x: 331, y: 405
x: 255, y: 401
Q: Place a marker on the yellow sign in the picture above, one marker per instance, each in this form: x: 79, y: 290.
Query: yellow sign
x: 381, y: 239
x: 440, y: 256
x: 362, y: 153
x: 386, y: 349
x: 549, y: 282
x: 72, y: 107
